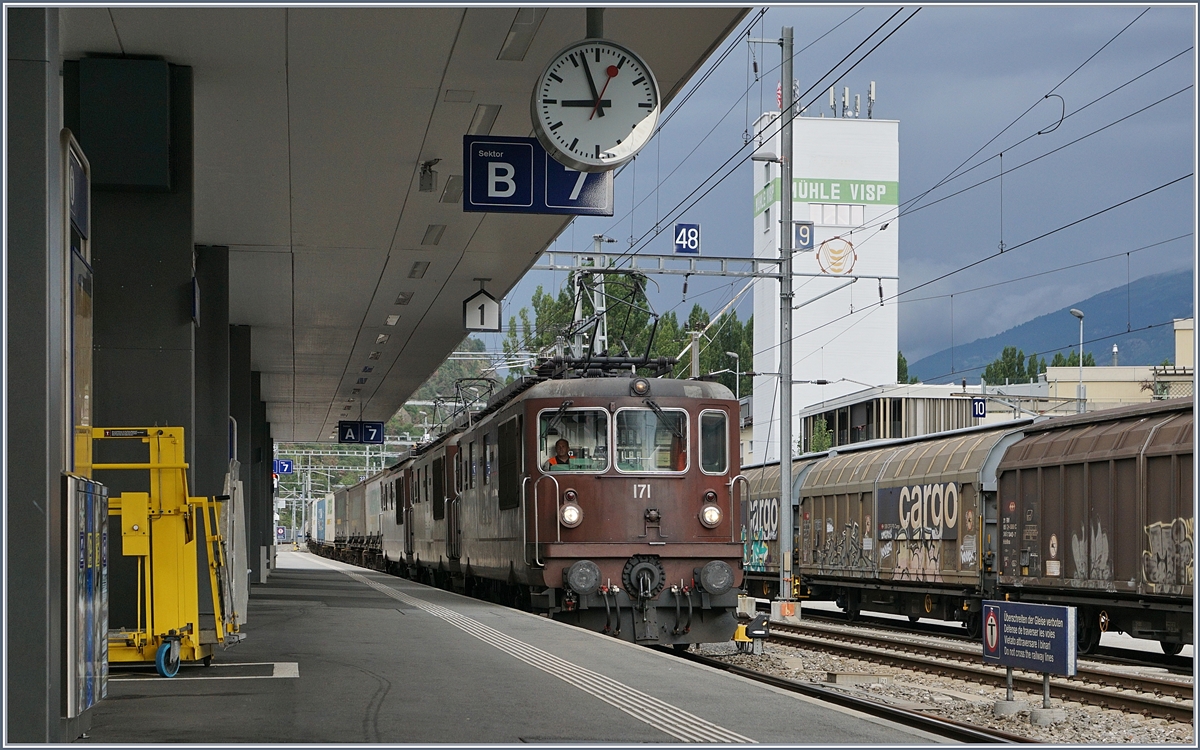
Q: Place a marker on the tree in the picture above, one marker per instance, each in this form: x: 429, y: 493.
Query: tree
x: 1012, y: 367
x: 630, y: 326
x: 1072, y: 360
x: 822, y: 438
x: 408, y: 419
x: 902, y: 375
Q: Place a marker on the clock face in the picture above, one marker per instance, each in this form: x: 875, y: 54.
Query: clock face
x: 595, y: 105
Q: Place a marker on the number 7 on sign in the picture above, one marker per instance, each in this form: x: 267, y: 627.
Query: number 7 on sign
x: 582, y: 178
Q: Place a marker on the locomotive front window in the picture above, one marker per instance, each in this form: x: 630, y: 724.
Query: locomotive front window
x: 651, y: 441
x: 714, y: 442
x: 575, y: 440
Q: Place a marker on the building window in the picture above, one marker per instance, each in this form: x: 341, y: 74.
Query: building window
x: 838, y: 214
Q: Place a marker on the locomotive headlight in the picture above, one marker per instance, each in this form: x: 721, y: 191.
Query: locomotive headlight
x: 710, y: 516
x: 570, y: 515
x: 640, y: 387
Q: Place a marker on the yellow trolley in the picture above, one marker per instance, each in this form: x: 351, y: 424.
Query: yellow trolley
x: 159, y: 528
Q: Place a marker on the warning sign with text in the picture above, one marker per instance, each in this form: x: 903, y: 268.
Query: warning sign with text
x: 1037, y: 637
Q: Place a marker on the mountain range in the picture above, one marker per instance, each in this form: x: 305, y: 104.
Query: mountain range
x: 1111, y: 317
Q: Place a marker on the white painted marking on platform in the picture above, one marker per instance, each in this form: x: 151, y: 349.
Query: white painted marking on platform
x: 674, y: 721
x: 279, y: 669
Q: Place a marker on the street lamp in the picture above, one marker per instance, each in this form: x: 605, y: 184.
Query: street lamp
x: 1079, y: 314
x: 737, y: 376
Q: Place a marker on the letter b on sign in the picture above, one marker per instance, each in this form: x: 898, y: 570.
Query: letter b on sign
x: 500, y: 180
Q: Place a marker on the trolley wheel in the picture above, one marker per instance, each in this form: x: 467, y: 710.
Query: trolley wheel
x: 166, y: 665
x: 208, y: 660
x: 1170, y: 649
x: 913, y: 618
x: 680, y: 648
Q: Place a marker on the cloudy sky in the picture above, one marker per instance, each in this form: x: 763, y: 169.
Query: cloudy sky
x: 958, y: 79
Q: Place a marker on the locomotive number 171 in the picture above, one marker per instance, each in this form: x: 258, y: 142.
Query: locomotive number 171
x: 641, y: 492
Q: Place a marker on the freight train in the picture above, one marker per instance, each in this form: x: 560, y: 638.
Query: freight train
x: 607, y: 502
x: 1094, y: 511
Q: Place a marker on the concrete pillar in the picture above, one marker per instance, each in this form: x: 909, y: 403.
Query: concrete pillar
x: 261, y: 511
x: 212, y: 371
x: 142, y: 257
x: 212, y: 389
x: 239, y: 409
x: 37, y: 410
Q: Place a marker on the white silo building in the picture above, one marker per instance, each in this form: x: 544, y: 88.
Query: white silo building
x: 845, y: 181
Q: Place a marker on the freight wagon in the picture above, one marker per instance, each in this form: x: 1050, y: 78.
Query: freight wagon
x: 1094, y: 511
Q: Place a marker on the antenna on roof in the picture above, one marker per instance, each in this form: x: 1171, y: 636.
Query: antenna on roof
x: 856, y: 99
x: 870, y: 99
x: 833, y: 100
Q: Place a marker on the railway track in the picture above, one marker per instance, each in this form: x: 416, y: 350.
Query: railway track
x: 1180, y: 665
x: 941, y: 726
x: 1147, y: 695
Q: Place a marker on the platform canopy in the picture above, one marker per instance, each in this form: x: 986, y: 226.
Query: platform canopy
x: 311, y: 125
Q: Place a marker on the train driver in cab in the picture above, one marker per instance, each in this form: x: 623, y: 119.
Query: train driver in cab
x: 562, y: 454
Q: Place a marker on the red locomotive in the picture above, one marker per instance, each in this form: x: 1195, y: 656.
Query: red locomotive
x: 607, y: 502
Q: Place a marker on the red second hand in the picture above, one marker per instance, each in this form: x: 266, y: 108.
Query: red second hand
x: 612, y: 73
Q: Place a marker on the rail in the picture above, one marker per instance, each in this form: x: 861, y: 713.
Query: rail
x: 935, y: 724
x: 1165, y: 699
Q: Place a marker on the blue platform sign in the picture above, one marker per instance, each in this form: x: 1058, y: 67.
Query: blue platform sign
x: 283, y: 466
x: 349, y: 432
x: 360, y: 432
x: 803, y: 237
x: 372, y: 433
x: 1037, y: 637
x: 687, y: 239
x: 979, y: 408
x: 516, y: 175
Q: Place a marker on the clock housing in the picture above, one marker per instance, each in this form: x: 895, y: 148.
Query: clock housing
x: 595, y: 106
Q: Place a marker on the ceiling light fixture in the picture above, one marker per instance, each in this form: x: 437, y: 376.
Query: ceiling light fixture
x: 403, y: 298
x: 433, y: 234
x: 521, y: 33
x: 418, y: 269
x: 368, y: 369
x: 483, y: 119
x: 392, y: 320
x: 374, y: 355
x: 362, y: 381
x: 382, y: 338
x: 453, y: 191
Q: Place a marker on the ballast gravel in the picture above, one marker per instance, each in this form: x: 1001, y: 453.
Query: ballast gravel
x: 968, y: 702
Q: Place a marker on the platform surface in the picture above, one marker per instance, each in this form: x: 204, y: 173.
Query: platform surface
x: 339, y: 654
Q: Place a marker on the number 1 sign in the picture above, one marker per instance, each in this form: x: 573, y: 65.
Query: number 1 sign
x: 481, y: 312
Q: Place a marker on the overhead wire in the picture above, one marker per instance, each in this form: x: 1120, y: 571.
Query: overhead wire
x: 995, y: 255
x: 1125, y: 254
x: 651, y: 234
x: 745, y: 96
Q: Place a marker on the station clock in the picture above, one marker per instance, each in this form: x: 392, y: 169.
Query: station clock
x: 595, y: 105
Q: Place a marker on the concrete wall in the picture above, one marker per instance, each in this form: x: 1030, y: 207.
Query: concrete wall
x: 34, y: 356
x: 1185, y: 343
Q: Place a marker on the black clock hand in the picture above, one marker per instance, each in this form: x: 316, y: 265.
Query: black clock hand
x: 584, y: 103
x: 592, y: 85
